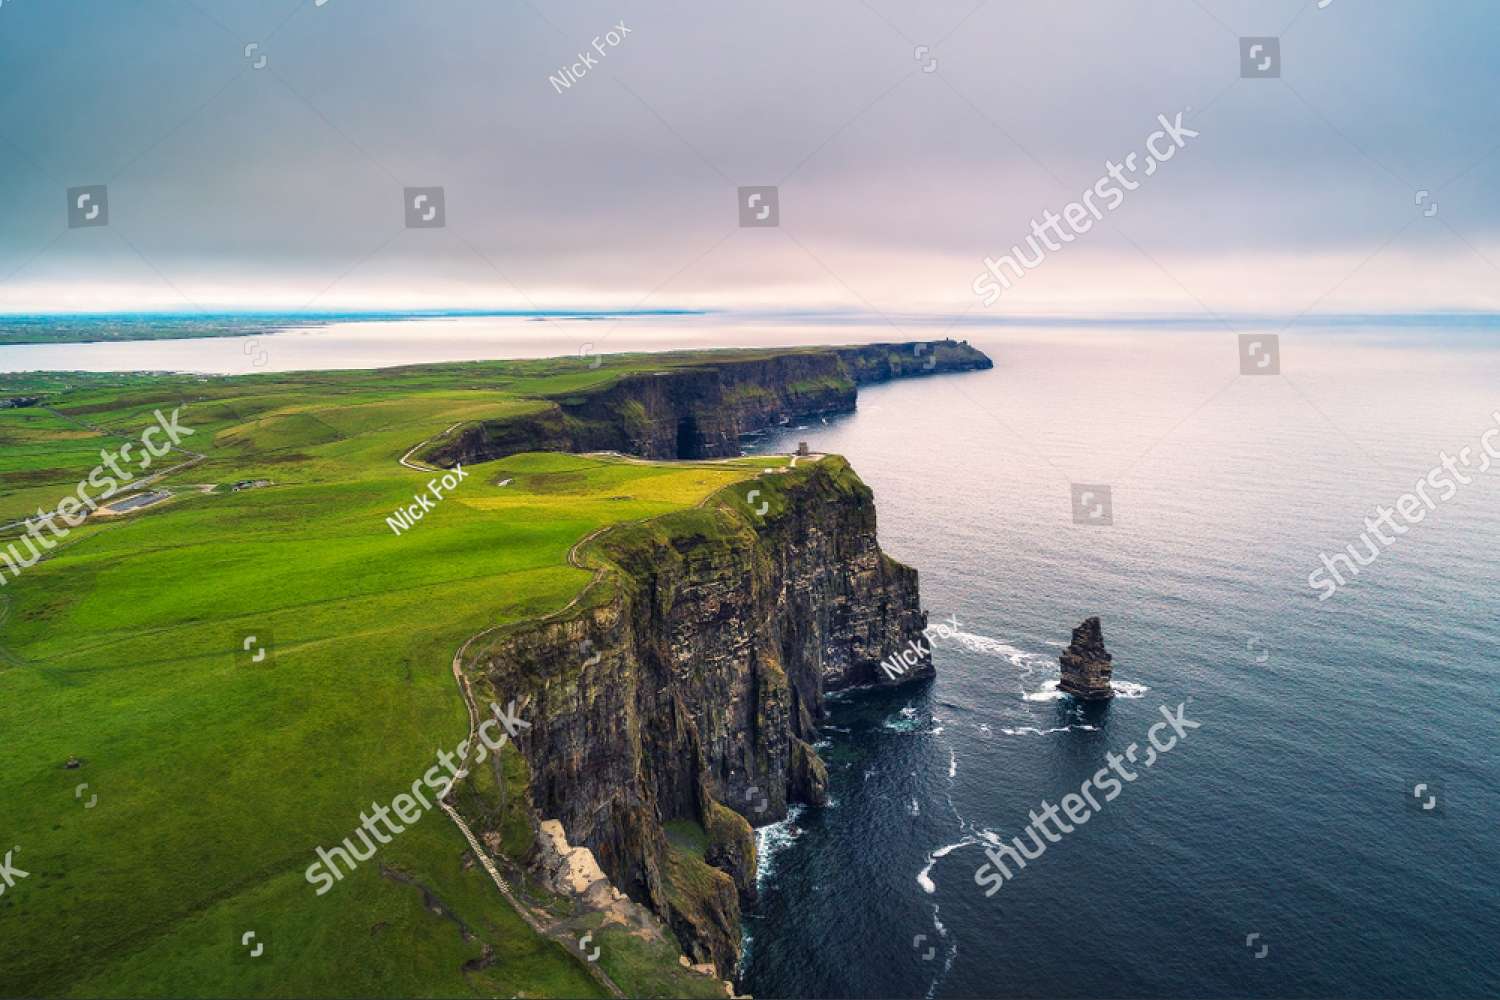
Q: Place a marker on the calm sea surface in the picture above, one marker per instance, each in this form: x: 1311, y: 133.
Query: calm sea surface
x: 1289, y: 814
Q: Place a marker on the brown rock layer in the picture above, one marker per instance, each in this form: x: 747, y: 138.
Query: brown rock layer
x: 700, y: 409
x: 688, y: 684
x: 1086, y: 664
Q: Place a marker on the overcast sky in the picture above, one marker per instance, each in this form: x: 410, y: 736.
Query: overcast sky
x: 284, y: 186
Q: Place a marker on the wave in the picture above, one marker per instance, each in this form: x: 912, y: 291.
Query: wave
x: 1027, y: 662
x: 774, y: 838
x: 926, y: 883
x: 943, y: 852
x: 1047, y: 692
x: 908, y: 721
x: 1046, y: 732
x: 915, y: 808
x: 947, y: 962
x: 983, y: 643
x: 924, y: 877
x: 952, y: 764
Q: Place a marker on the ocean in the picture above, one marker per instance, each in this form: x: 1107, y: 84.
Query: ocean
x: 1281, y: 849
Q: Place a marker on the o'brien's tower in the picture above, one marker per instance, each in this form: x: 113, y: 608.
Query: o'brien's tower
x: 1086, y: 665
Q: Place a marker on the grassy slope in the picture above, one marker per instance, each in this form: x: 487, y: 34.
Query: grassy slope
x: 216, y: 782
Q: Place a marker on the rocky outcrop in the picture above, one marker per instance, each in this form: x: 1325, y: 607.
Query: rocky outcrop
x: 19, y: 402
x: 682, y: 694
x: 1086, y: 664
x: 701, y: 407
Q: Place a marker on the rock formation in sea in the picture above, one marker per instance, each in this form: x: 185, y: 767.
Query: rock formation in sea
x: 1086, y: 664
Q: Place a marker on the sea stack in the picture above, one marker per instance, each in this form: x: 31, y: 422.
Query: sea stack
x: 1085, y: 664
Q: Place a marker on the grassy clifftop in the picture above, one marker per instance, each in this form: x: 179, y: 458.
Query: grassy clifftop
x: 207, y: 782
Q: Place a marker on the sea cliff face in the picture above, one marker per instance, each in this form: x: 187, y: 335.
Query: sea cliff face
x: 683, y: 693
x: 701, y: 410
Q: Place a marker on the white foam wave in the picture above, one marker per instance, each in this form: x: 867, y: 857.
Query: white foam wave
x: 914, y: 808
x: 908, y: 721
x: 922, y: 879
x: 1026, y: 662
x: 1128, y: 689
x: 983, y: 643
x: 952, y: 764
x: 1047, y: 692
x: 773, y: 839
x: 943, y: 852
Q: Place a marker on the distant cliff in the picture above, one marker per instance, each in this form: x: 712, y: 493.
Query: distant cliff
x: 700, y: 409
x: 684, y: 690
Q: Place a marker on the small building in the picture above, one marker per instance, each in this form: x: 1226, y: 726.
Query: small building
x: 802, y: 448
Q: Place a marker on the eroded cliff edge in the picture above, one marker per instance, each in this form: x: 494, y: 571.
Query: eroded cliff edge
x: 677, y: 702
x: 700, y: 408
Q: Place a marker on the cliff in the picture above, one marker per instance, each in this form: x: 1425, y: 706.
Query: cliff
x: 699, y: 408
x: 676, y: 704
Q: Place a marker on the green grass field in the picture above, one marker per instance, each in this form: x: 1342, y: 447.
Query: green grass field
x: 211, y: 781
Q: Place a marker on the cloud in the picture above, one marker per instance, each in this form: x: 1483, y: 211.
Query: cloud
x: 231, y: 185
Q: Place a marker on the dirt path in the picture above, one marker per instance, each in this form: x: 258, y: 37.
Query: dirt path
x: 426, y: 468
x: 550, y: 929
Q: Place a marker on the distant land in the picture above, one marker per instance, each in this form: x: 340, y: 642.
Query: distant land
x: 118, y: 327
x: 88, y: 328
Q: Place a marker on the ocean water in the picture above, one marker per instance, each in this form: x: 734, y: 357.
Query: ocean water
x: 1292, y: 812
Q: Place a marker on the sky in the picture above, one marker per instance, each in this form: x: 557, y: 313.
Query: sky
x: 906, y: 142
